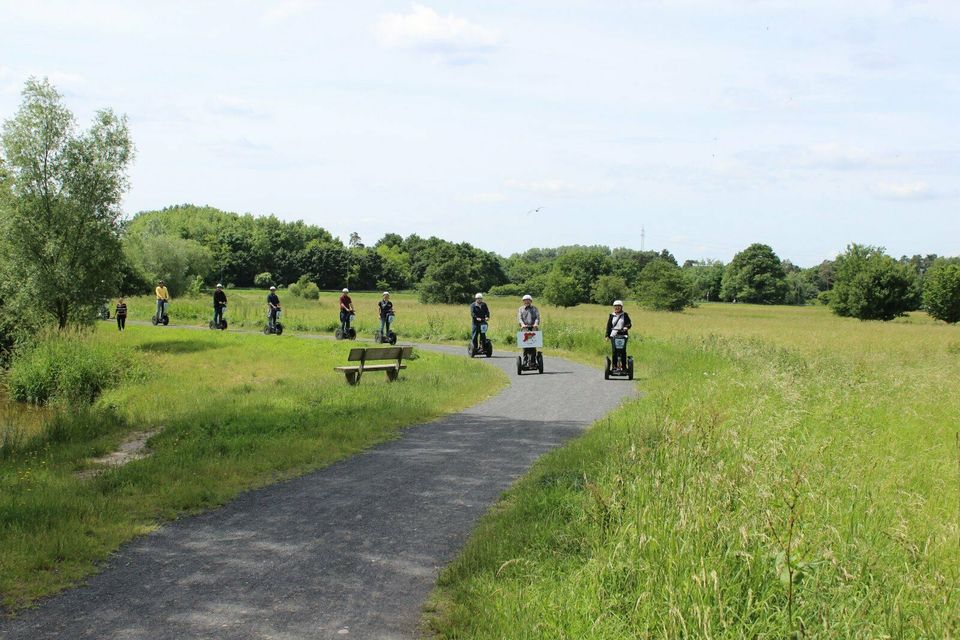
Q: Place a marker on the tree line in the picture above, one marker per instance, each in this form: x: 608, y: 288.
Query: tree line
x: 67, y: 248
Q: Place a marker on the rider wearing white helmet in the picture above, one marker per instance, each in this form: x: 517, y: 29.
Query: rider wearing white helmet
x: 529, y: 318
x: 346, y: 308
x: 385, y: 308
x: 618, y: 324
x: 479, y: 314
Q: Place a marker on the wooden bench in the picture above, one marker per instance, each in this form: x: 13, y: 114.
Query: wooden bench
x: 366, y: 354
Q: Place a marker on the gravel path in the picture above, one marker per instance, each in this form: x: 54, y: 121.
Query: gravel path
x: 352, y: 550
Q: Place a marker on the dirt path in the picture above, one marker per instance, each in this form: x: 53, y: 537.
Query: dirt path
x: 352, y: 550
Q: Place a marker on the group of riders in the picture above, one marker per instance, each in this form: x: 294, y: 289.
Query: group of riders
x: 528, y: 316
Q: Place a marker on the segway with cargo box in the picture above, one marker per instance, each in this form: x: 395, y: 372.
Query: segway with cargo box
x: 531, y: 341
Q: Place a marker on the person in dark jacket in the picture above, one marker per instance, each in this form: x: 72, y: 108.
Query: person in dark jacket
x: 273, y: 303
x: 219, y: 302
x: 479, y: 314
x: 121, y: 315
x: 346, y: 309
x: 385, y: 308
x: 618, y: 324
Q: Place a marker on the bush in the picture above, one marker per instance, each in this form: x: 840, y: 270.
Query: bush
x: 941, y: 292
x: 610, y: 288
x: 303, y: 288
x: 263, y: 280
x: 663, y: 286
x: 510, y: 289
x: 65, y: 369
x: 871, y: 285
x: 195, y: 287
x: 561, y: 290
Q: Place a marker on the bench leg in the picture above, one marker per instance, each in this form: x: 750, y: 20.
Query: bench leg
x: 352, y: 377
x: 392, y: 374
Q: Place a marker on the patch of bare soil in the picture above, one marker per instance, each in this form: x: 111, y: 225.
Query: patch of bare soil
x: 134, y: 447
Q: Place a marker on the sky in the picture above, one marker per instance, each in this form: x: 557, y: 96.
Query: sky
x: 694, y: 126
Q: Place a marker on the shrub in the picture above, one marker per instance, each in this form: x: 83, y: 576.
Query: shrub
x: 303, y: 288
x: 561, y: 290
x: 941, y: 292
x: 509, y: 289
x: 610, y: 288
x: 195, y: 287
x: 663, y: 287
x: 871, y: 285
x: 263, y: 280
x: 66, y: 369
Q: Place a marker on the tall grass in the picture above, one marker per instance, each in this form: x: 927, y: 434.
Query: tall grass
x: 786, y: 475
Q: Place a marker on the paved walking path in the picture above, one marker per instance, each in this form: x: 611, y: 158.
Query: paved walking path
x: 351, y: 550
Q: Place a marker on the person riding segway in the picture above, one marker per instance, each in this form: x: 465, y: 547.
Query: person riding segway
x: 385, y: 311
x: 528, y: 316
x: 161, y: 317
x: 347, y: 315
x: 616, y: 331
x: 273, y: 326
x: 479, y: 317
x: 219, y: 304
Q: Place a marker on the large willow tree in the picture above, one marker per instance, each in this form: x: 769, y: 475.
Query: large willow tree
x: 60, y: 211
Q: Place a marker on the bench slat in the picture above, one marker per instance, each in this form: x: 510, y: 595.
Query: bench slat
x: 379, y: 353
x: 373, y: 367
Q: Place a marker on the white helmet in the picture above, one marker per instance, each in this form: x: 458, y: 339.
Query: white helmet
x: 528, y: 297
x: 345, y: 290
x: 618, y: 303
x: 478, y: 296
x: 386, y: 293
x: 219, y: 286
x: 273, y: 288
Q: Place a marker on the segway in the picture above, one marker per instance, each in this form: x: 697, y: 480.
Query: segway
x: 622, y: 365
x: 485, y: 347
x: 163, y: 319
x: 275, y: 329
x: 223, y: 320
x: 530, y: 339
x: 388, y: 337
x: 349, y: 333
x: 103, y: 312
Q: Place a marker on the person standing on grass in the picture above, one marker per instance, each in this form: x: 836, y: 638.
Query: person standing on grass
x: 219, y: 302
x: 618, y: 324
x: 162, y: 297
x: 346, y: 308
x: 273, y: 303
x: 479, y: 314
x: 121, y: 314
x: 386, y: 310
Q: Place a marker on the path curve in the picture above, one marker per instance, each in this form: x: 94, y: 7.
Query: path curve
x: 351, y: 550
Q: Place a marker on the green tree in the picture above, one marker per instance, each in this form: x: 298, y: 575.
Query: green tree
x: 610, y: 288
x: 263, y: 280
x: 941, y: 291
x: 754, y: 275
x: 870, y: 285
x: 174, y: 260
x: 663, y: 287
x: 561, y: 290
x: 63, y: 211
x: 704, y: 278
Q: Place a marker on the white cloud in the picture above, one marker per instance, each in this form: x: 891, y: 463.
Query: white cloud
x: 455, y: 39
x: 906, y: 191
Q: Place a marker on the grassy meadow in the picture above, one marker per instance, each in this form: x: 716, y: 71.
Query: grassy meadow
x: 788, y: 473
x: 228, y: 412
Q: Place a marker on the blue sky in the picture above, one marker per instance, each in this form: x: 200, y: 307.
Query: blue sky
x: 712, y: 125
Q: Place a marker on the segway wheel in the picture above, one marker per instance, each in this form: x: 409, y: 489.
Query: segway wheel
x: 338, y: 334
x: 487, y: 348
x: 377, y: 336
x: 212, y: 325
x: 393, y: 338
x: 223, y: 325
x: 539, y: 362
x: 352, y: 333
x: 154, y: 320
x: 630, y: 369
x: 266, y: 329
x: 519, y: 365
x: 470, y: 350
x: 166, y: 320
x: 279, y: 329
x: 606, y: 370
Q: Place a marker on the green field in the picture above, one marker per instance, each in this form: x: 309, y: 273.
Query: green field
x: 230, y: 412
x: 788, y: 473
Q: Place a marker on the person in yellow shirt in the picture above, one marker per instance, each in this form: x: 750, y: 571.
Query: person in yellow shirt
x: 162, y: 297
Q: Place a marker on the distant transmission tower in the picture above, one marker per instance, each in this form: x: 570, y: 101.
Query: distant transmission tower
x: 642, y: 236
